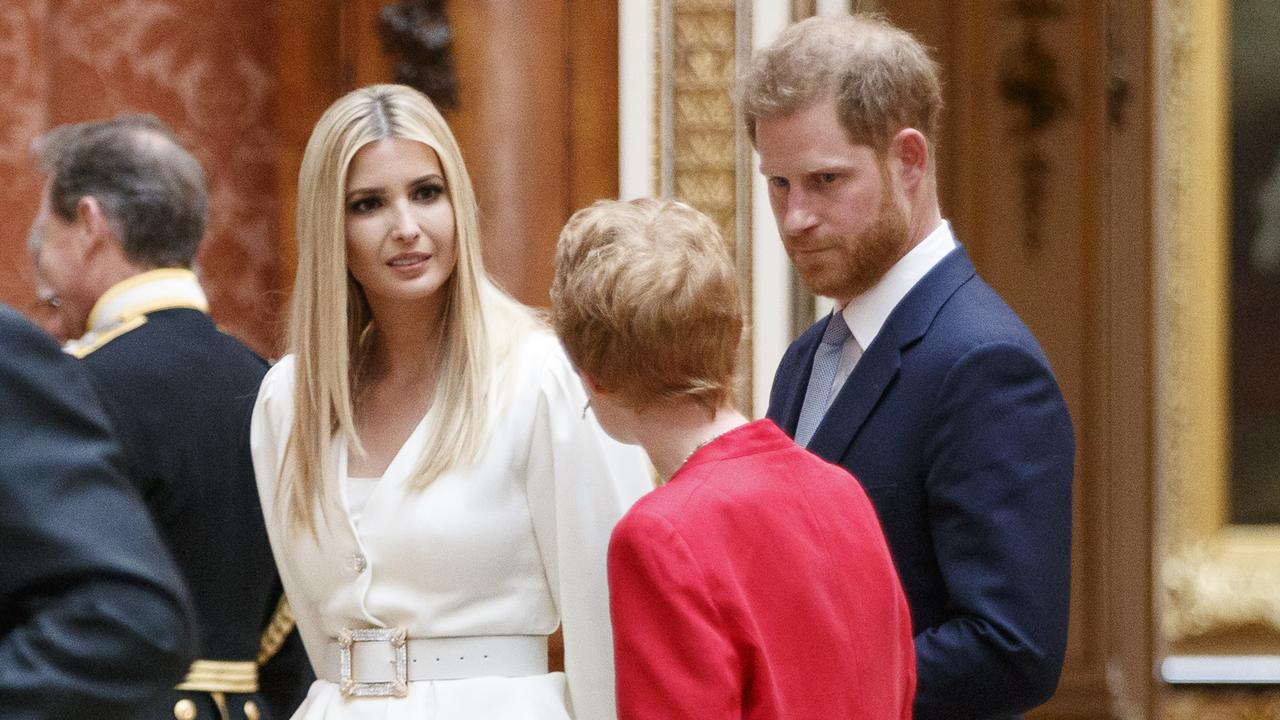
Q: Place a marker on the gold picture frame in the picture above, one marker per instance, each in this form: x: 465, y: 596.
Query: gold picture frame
x: 1219, y: 582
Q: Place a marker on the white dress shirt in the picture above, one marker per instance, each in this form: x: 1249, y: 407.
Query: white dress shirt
x: 866, y: 314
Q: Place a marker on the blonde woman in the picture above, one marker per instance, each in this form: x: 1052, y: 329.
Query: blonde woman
x: 437, y: 498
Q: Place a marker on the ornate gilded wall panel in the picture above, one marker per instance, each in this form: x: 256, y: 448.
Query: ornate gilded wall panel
x: 1219, y: 581
x: 1226, y: 705
x: 701, y: 153
x: 703, y: 68
x: 1216, y: 577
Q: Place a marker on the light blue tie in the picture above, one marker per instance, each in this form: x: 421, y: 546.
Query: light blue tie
x: 825, y: 363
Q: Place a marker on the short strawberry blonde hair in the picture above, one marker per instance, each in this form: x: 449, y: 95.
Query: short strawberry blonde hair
x: 645, y: 300
x: 881, y: 78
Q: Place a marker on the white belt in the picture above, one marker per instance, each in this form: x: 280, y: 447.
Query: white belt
x: 381, y: 662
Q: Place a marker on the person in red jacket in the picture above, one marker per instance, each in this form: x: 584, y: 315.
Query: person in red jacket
x: 756, y: 582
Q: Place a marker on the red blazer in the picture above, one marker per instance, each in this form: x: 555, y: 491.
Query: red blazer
x: 757, y: 584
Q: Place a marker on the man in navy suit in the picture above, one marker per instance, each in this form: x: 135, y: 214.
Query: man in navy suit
x: 923, y: 383
x: 95, y: 621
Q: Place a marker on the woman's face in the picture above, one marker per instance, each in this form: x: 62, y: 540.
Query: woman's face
x: 401, y: 245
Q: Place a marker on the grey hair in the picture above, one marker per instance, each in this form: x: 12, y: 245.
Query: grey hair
x: 151, y: 190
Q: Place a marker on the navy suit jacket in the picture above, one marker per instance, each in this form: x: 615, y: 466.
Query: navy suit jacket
x: 954, y: 424
x: 94, y: 619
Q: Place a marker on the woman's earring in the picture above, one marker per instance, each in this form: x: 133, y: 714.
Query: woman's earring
x: 585, y: 407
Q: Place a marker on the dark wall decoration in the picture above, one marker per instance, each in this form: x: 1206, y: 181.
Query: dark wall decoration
x: 417, y: 33
x: 1029, y: 80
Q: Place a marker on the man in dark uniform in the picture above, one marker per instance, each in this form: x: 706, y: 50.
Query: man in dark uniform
x: 121, y: 219
x: 94, y: 620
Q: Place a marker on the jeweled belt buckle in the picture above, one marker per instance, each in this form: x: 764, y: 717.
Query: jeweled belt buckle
x: 397, y: 638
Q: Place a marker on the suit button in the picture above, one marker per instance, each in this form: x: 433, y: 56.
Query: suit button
x: 184, y: 709
x: 358, y: 562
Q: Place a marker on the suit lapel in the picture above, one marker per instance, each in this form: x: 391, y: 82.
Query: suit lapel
x: 875, y: 370
x: 879, y: 364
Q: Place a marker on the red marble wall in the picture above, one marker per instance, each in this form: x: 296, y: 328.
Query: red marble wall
x: 207, y: 69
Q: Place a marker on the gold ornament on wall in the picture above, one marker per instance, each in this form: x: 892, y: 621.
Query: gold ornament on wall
x: 701, y: 152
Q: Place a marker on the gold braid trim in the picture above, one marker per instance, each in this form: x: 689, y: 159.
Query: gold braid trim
x: 226, y: 676
x: 82, y: 350
x: 277, y: 630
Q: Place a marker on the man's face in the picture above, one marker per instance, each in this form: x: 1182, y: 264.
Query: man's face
x: 59, y: 270
x: 836, y: 203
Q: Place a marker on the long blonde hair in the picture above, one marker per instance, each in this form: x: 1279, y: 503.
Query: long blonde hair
x: 330, y: 315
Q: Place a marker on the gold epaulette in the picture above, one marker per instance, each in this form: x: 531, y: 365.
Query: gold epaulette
x: 226, y: 676
x: 80, y: 351
x: 277, y: 630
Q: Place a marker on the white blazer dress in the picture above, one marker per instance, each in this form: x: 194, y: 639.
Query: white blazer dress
x: 512, y: 546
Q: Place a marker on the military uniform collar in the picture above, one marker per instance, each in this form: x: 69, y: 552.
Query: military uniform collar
x: 129, y: 300
x: 163, y: 289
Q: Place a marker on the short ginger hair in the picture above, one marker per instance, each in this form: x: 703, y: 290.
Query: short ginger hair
x: 645, y: 300
x: 881, y: 78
